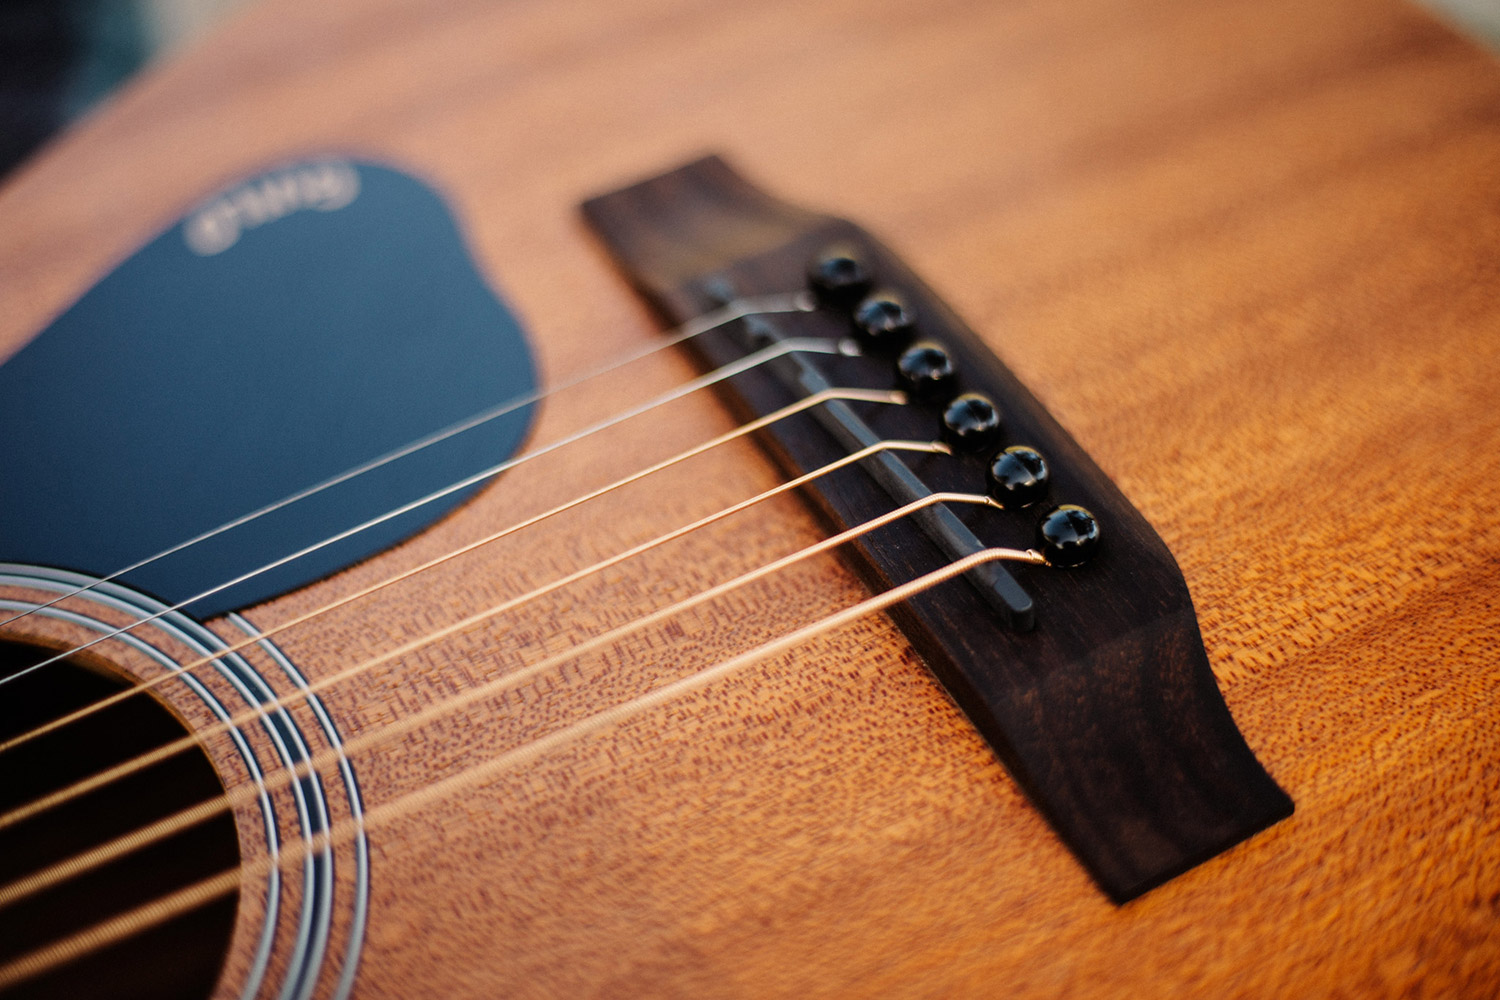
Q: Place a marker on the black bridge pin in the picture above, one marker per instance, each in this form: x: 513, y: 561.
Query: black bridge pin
x: 884, y: 320
x: 971, y: 422
x: 1018, y: 477
x: 1068, y: 535
x: 926, y: 371
x: 838, y: 278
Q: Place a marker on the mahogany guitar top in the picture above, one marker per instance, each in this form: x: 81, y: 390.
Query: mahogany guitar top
x: 1245, y: 252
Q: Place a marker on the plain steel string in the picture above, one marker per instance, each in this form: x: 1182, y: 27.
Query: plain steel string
x: 806, y: 403
x: 811, y: 345
x: 192, y: 815
x: 737, y: 309
x: 184, y: 900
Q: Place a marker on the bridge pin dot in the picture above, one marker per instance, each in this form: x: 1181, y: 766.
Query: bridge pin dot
x: 1018, y: 477
x: 1069, y: 535
x: 884, y: 320
x: 838, y: 278
x: 971, y: 422
x: 926, y: 371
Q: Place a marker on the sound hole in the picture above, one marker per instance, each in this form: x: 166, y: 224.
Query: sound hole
x: 178, y: 958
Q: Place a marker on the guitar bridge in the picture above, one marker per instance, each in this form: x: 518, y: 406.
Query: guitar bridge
x: 1090, y: 683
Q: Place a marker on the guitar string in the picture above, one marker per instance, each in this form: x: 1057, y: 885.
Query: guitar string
x: 190, y: 740
x: 165, y: 908
x: 612, y: 561
x: 747, y: 363
x: 806, y: 403
x: 190, y: 816
x: 696, y: 327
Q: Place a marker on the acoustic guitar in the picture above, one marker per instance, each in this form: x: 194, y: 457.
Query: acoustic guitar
x: 1243, y: 254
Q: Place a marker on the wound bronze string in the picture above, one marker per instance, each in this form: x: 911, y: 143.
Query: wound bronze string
x: 738, y: 309
x: 865, y: 395
x: 432, y: 713
x: 140, y: 762
x: 184, y: 900
x: 200, y: 893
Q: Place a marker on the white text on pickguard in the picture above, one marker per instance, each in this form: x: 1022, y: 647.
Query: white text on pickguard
x: 324, y: 187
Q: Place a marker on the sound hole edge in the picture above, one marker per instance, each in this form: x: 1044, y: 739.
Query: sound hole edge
x: 179, y: 958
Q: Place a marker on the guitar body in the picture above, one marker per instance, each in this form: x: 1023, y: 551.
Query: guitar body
x: 1243, y: 252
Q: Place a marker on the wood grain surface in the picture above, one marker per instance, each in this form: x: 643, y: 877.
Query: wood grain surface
x: 1246, y: 252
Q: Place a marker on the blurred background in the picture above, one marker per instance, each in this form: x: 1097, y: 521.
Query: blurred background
x: 60, y: 58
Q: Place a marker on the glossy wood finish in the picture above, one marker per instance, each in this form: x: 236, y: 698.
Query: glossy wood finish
x: 1243, y: 251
